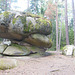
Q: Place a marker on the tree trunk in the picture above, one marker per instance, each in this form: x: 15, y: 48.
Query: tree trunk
x: 35, y: 7
x: 66, y: 24
x: 28, y: 6
x: 6, y: 6
x: 57, y: 46
x: 60, y: 35
x: 10, y: 5
x: 73, y: 19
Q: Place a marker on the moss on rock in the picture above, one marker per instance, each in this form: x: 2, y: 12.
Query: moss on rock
x: 41, y: 25
x: 16, y: 49
x: 7, y: 63
x: 14, y: 20
x: 32, y: 15
x: 6, y: 14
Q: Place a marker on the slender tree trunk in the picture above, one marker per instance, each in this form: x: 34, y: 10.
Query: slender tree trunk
x: 6, y: 5
x: 66, y: 24
x: 10, y: 5
x: 73, y: 19
x: 57, y: 46
x: 35, y: 7
x: 28, y: 8
x: 60, y: 35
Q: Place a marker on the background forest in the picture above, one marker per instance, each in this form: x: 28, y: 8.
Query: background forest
x: 60, y: 12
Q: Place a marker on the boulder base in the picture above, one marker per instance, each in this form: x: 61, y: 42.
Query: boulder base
x: 13, y: 50
x: 23, y: 50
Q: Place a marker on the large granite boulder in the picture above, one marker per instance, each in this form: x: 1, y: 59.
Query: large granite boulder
x: 25, y: 28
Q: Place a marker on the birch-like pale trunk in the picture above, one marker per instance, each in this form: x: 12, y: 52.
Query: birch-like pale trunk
x: 6, y: 6
x: 60, y: 35
x: 28, y: 8
x: 57, y: 46
x: 66, y: 24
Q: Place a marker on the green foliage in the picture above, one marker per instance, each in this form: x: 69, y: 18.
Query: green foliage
x: 34, y: 6
x: 63, y: 36
x: 38, y: 6
x: 53, y: 35
x: 71, y: 36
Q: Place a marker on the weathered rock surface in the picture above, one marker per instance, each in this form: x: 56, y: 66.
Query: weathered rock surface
x: 69, y: 50
x: 22, y: 50
x: 2, y: 48
x: 13, y: 26
x: 25, y: 28
x: 16, y: 50
x: 7, y: 63
x: 39, y: 40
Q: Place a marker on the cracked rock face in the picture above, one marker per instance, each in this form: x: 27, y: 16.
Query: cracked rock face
x: 25, y: 28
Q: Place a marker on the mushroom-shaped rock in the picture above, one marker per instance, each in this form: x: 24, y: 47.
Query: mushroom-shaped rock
x: 26, y: 28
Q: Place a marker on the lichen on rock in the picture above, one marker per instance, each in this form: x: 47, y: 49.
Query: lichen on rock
x: 6, y: 14
x: 69, y: 50
x: 26, y: 28
x: 7, y: 63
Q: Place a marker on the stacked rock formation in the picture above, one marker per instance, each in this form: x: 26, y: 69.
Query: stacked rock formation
x: 28, y: 33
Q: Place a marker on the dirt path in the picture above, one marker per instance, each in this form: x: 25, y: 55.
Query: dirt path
x: 49, y: 65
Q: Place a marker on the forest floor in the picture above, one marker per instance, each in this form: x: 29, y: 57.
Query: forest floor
x: 53, y: 64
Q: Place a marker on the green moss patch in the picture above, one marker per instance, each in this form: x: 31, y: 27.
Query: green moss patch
x: 6, y: 14
x: 14, y: 20
x: 15, y: 49
x: 32, y: 15
x: 7, y: 63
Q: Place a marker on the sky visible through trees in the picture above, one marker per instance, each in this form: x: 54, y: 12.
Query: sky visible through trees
x: 22, y: 4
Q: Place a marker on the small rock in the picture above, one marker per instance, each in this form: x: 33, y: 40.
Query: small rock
x: 6, y: 63
x: 69, y: 50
